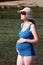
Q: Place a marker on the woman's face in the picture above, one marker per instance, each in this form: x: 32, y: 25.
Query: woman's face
x: 23, y: 16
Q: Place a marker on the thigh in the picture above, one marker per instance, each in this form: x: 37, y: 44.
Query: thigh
x: 20, y: 60
x: 28, y: 60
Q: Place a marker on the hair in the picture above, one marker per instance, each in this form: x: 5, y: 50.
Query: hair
x: 32, y: 20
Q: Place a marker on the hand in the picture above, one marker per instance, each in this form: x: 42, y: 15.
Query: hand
x: 21, y: 40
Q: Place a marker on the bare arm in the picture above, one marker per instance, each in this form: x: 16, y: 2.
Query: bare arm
x: 35, y: 34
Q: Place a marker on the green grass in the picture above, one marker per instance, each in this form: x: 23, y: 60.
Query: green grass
x: 9, y: 28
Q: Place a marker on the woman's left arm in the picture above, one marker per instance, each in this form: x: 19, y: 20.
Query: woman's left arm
x: 35, y: 34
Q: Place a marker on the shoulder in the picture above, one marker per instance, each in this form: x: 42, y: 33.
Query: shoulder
x: 32, y: 25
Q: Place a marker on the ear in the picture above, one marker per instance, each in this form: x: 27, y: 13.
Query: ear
x: 27, y: 15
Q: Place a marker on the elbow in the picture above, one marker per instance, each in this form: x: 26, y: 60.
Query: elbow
x: 37, y: 40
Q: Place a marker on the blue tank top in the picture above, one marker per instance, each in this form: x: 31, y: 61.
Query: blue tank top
x: 27, y: 35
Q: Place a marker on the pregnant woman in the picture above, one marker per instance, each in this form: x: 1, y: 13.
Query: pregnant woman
x: 27, y: 36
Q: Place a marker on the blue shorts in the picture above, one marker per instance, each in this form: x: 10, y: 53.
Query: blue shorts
x: 25, y: 49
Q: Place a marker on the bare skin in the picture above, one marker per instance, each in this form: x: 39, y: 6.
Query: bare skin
x: 26, y: 60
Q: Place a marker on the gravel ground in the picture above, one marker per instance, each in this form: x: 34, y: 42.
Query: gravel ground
x: 23, y: 3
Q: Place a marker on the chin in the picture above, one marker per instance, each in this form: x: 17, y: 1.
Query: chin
x: 22, y: 19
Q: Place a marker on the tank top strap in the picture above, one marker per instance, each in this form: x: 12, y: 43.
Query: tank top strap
x: 30, y: 26
x: 21, y: 25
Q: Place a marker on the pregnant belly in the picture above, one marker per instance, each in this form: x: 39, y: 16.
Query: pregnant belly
x: 23, y: 46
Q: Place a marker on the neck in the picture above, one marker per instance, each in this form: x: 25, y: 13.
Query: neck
x: 26, y: 21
